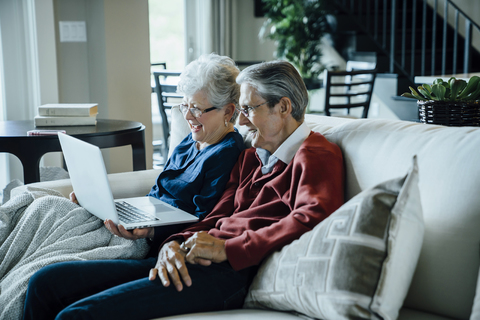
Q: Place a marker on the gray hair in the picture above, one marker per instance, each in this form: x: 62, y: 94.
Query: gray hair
x: 215, y: 75
x: 274, y: 80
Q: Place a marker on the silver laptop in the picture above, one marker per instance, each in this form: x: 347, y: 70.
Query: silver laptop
x: 90, y: 183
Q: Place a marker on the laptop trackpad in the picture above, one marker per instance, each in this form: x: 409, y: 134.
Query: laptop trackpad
x: 150, y: 205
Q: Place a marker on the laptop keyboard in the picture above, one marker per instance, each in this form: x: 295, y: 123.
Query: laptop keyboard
x: 130, y: 214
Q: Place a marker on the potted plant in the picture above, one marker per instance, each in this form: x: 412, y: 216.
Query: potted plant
x: 297, y: 26
x: 453, y: 102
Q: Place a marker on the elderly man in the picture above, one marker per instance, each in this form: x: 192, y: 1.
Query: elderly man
x: 289, y: 182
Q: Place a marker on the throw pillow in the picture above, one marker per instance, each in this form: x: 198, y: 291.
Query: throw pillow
x: 179, y: 128
x: 357, y: 263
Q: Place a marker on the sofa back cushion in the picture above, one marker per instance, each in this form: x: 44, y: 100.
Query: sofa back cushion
x: 376, y: 150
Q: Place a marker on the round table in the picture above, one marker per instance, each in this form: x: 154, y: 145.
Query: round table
x: 105, y: 134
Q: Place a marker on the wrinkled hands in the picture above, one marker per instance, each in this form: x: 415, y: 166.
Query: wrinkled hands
x: 205, y: 249
x: 201, y: 248
x: 171, y: 265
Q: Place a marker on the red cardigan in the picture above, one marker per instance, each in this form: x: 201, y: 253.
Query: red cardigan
x: 258, y: 214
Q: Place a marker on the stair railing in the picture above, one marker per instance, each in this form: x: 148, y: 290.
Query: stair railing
x: 375, y: 24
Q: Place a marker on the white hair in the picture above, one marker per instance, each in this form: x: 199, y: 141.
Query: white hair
x: 216, y: 76
x: 274, y: 80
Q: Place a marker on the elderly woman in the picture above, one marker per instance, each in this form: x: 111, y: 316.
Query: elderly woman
x: 193, y: 179
x: 196, y: 173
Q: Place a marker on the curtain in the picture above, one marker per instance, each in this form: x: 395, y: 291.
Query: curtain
x: 208, y: 25
x: 28, y: 59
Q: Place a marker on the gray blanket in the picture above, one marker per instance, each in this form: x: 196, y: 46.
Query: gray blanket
x: 41, y: 227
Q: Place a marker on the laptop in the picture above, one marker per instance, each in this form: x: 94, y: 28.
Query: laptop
x: 90, y: 182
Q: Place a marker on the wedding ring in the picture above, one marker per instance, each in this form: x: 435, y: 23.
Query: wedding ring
x: 183, y: 247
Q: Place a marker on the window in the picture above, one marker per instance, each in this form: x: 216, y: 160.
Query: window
x: 167, y: 42
x: 167, y: 45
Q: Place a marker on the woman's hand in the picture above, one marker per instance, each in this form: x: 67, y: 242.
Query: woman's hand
x: 135, y: 234
x: 73, y: 198
x: 171, y: 266
x: 205, y: 249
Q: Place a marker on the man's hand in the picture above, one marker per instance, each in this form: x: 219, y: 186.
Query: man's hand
x: 171, y: 266
x: 205, y: 249
x: 136, y: 234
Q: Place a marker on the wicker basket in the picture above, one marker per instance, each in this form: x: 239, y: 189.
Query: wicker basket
x: 449, y: 114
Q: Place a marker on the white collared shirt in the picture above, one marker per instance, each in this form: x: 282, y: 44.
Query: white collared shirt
x: 286, y: 151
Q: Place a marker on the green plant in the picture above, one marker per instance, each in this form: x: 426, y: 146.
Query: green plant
x: 297, y: 26
x: 451, y: 90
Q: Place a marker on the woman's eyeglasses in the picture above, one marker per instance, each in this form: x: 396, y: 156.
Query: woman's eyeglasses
x: 246, y: 109
x: 197, y: 113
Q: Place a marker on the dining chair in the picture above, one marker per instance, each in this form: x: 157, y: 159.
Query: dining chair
x: 349, y: 89
x: 166, y: 91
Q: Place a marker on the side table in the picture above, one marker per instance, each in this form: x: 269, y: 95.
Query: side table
x: 106, y: 134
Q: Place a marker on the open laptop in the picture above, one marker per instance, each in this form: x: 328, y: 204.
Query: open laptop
x: 90, y: 183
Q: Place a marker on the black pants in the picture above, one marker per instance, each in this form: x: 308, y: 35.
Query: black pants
x: 120, y: 289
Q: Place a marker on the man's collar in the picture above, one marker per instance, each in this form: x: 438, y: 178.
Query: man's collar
x: 290, y: 146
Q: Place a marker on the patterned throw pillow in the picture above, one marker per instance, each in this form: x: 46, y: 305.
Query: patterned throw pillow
x: 357, y: 263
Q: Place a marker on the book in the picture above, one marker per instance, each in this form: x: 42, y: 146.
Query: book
x: 68, y: 109
x: 47, y: 121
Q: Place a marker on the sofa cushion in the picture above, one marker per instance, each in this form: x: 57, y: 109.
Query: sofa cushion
x: 410, y: 314
x: 179, y: 128
x: 376, y: 150
x: 476, y: 303
x: 356, y: 263
x: 236, y: 314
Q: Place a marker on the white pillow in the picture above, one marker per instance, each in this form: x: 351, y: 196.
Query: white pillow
x: 357, y: 263
x: 179, y: 128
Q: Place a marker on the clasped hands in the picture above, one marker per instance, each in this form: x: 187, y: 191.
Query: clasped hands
x: 201, y: 248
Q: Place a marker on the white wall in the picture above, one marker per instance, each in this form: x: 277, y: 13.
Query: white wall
x: 128, y: 70
x: 112, y: 68
x: 470, y: 7
x: 246, y: 45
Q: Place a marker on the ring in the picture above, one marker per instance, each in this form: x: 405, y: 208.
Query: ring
x: 182, y: 246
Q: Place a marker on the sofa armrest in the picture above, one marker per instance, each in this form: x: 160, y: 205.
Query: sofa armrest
x: 124, y: 184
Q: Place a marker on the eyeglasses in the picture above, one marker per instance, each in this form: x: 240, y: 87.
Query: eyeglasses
x: 245, y: 110
x: 197, y: 113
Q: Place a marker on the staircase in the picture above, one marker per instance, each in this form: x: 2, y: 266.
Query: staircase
x: 410, y: 37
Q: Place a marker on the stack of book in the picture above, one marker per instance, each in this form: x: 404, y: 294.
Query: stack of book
x: 67, y: 114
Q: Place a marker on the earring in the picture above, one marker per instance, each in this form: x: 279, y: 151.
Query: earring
x: 226, y: 123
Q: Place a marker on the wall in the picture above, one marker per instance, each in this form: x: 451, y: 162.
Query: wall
x: 246, y: 45
x: 470, y: 7
x: 112, y: 68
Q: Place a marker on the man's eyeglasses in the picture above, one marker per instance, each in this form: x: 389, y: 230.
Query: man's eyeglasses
x: 197, y: 113
x: 246, y: 109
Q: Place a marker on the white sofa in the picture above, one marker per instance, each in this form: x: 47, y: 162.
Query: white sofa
x: 444, y: 284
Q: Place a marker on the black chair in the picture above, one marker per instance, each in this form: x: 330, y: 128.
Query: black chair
x: 165, y: 92
x: 349, y: 89
x: 163, y: 64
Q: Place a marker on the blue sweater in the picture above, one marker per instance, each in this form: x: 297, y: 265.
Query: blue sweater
x: 193, y: 180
